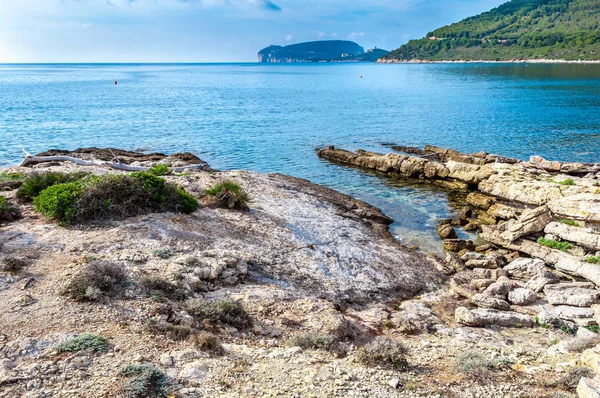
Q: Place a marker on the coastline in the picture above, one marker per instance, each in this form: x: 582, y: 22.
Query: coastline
x: 516, y: 61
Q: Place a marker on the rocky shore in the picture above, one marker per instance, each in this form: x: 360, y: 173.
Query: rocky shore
x: 305, y: 293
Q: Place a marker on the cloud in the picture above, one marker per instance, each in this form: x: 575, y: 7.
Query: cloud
x: 354, y: 35
x: 321, y: 35
x: 289, y: 38
x: 86, y: 25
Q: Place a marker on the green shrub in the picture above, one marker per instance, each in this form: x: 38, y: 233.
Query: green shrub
x: 159, y: 288
x: 229, y: 194
x: 145, y: 381
x: 175, y: 332
x: 37, y: 182
x: 568, y: 330
x: 225, y: 311
x: 593, y: 259
x: 9, y: 181
x: 8, y: 210
x: 592, y: 328
x: 162, y: 253
x: 59, y: 201
x: 12, y: 264
x: 159, y: 170
x: 314, y: 341
x: 97, y: 279
x: 570, y: 222
x: 112, y: 197
x: 384, y: 351
x: 563, y: 246
x: 208, y: 342
x: 85, y: 341
x: 472, y: 361
x: 568, y: 181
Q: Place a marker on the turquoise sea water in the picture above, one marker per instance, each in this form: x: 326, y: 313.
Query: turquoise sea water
x: 270, y: 118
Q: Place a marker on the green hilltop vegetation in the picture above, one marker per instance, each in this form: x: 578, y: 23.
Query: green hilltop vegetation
x: 517, y: 30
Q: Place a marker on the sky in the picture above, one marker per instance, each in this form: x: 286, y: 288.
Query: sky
x: 34, y: 31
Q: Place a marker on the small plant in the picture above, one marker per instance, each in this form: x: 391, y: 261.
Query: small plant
x: 144, y: 381
x: 518, y: 325
x: 540, y: 324
x: 208, y: 342
x: 229, y: 194
x: 175, y: 332
x: 592, y: 328
x: 12, y: 264
x: 568, y: 330
x: 8, y: 210
x: 568, y: 181
x: 314, y: 341
x: 554, y: 341
x: 226, y: 311
x: 85, y: 341
x: 570, y: 222
x: 593, y: 259
x: 160, y: 288
x: 159, y: 170
x: 163, y: 253
x: 37, y: 182
x: 9, y: 181
x: 472, y: 361
x: 570, y: 380
x: 563, y: 246
x: 384, y: 351
x: 97, y: 279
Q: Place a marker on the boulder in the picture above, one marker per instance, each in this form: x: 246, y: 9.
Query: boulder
x: 522, y: 296
x: 529, y: 222
x: 485, y: 273
x: 460, y: 284
x: 485, y: 317
x: 455, y: 262
x: 465, y: 214
x: 483, y: 301
x: 485, y: 218
x: 487, y: 263
x: 456, y: 245
x: 501, y: 288
x: 591, y: 358
x: 584, y: 206
x: 578, y: 315
x: 446, y: 231
x: 588, y: 388
x: 468, y: 256
x: 578, y: 294
x: 505, y: 211
x: 481, y: 284
x: 582, y: 236
x: 480, y: 200
x: 471, y: 174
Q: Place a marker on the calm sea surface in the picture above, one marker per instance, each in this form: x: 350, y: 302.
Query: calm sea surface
x: 270, y: 118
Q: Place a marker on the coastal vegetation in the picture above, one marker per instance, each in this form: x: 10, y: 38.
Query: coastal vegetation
x: 144, y: 381
x: 91, y: 198
x: 563, y: 246
x: 96, y: 280
x: 85, y: 341
x: 229, y: 194
x: 518, y: 29
x: 8, y: 210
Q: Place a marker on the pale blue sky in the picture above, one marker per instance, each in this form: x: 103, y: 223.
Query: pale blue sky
x: 209, y: 30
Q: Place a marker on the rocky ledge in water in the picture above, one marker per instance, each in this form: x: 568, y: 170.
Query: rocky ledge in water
x: 538, y: 258
x: 304, y: 294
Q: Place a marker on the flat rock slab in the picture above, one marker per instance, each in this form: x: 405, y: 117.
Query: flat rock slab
x: 581, y: 316
x: 588, y: 388
x: 582, y: 236
x: 578, y: 294
x: 485, y: 317
x: 584, y: 206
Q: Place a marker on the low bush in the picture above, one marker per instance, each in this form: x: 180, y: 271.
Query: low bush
x: 225, y: 311
x: 175, y: 332
x: 563, y: 246
x: 208, y: 342
x: 314, y: 341
x: 144, y: 381
x: 229, y: 194
x: 159, y: 170
x: 161, y: 288
x: 163, y: 253
x: 112, y: 197
x: 384, y: 351
x: 593, y: 259
x: 570, y: 380
x: 37, y: 182
x: 85, y: 341
x: 570, y: 222
x: 568, y: 181
x: 9, y: 181
x: 8, y: 210
x: 12, y: 264
x: 99, y: 278
x: 472, y: 361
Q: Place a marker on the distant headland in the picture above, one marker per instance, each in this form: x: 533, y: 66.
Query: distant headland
x: 320, y: 51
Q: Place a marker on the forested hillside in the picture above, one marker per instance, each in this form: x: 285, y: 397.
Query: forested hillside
x: 519, y: 29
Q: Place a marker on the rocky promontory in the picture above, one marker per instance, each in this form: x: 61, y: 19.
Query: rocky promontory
x: 126, y: 274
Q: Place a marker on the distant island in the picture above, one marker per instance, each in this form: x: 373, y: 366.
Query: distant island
x: 320, y: 51
x: 518, y: 30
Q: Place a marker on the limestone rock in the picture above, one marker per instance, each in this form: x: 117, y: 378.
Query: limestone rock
x: 582, y: 236
x: 456, y: 245
x: 591, y: 358
x: 505, y: 211
x: 501, y: 288
x: 485, y: 317
x: 576, y: 294
x: 529, y: 222
x: 483, y: 301
x: 446, y: 231
x: 480, y: 200
x: 588, y: 388
x: 578, y: 315
x: 471, y: 174
x: 455, y: 262
x: 522, y: 296
x: 585, y: 206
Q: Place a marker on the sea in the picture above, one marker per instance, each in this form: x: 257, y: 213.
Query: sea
x: 272, y: 117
